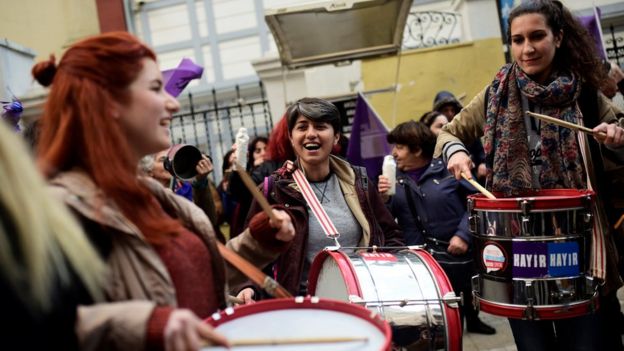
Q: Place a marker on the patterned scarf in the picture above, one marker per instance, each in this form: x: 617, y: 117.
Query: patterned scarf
x: 506, y: 141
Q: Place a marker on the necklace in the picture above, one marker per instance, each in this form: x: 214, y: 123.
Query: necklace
x: 322, y: 192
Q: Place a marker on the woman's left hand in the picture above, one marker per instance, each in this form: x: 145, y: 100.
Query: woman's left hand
x: 203, y: 168
x: 614, y: 135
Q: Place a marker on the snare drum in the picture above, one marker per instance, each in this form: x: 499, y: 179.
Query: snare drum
x: 532, y: 254
x: 300, y: 324
x: 408, y: 289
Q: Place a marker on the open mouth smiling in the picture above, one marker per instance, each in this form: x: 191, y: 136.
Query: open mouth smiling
x: 311, y: 146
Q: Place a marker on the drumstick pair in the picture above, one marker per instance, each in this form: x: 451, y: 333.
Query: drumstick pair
x: 599, y: 135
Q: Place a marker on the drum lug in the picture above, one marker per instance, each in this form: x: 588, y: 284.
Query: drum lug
x: 470, y: 205
x: 473, y: 221
x: 587, y: 201
x: 529, y: 312
x: 525, y: 207
x: 589, y: 217
x: 452, y: 300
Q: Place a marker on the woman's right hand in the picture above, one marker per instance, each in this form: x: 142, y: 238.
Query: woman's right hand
x: 460, y: 163
x: 383, y: 184
x: 185, y: 331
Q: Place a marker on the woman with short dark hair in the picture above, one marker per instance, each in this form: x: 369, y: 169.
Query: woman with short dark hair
x: 351, y: 201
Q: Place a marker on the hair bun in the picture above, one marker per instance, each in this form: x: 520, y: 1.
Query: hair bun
x: 45, y: 71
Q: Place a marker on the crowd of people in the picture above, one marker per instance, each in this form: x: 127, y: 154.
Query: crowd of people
x: 115, y: 252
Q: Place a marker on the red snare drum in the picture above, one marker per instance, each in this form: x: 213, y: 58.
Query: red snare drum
x: 408, y: 289
x: 532, y: 254
x: 303, y: 319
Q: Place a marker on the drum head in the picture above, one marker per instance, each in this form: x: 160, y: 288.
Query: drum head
x: 310, y: 318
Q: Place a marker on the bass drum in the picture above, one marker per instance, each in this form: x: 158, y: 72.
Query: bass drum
x: 408, y: 289
x: 298, y: 324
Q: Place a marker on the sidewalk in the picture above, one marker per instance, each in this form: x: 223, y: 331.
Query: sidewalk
x: 503, y: 339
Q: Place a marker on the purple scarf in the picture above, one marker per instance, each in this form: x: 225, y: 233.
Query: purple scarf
x: 506, y: 142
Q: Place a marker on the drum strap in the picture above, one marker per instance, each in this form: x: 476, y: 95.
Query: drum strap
x: 317, y: 209
x: 598, y: 260
x: 253, y: 273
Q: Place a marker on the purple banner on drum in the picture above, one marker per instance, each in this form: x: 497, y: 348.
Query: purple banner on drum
x: 541, y: 260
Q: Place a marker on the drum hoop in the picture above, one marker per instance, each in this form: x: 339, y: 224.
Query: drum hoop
x: 443, y: 286
x: 498, y: 238
x: 545, y: 199
x: 305, y: 303
x: 343, y: 262
x: 544, y: 312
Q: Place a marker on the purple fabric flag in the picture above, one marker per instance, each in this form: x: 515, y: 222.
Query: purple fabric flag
x: 178, y: 78
x: 367, y: 144
x: 592, y: 24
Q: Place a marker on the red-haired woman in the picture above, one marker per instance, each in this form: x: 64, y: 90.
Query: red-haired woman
x: 107, y: 109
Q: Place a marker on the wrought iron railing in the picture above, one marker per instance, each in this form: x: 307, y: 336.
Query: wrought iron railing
x: 212, y: 127
x: 614, y: 44
x: 431, y: 28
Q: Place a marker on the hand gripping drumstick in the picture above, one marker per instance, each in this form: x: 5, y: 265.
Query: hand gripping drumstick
x: 251, y: 186
x: 252, y: 272
x: 598, y: 135
x: 478, y: 186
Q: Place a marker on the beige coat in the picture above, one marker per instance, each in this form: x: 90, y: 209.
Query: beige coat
x: 138, y: 280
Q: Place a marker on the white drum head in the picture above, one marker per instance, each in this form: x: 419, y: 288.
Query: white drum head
x: 302, y: 323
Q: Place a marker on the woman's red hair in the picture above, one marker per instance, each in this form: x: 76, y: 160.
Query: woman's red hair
x: 79, y: 131
x: 279, y: 148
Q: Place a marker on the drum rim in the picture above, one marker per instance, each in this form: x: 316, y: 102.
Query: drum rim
x: 544, y: 199
x: 230, y: 314
x: 342, y: 260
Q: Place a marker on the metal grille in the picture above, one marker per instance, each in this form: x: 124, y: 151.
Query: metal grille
x: 212, y: 126
x: 431, y: 28
x: 614, y: 44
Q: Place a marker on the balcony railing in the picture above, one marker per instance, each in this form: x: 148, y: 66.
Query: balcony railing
x: 426, y: 29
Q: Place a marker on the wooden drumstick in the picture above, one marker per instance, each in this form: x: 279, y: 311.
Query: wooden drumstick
x: 249, y: 183
x: 599, y: 135
x: 478, y: 186
x: 295, y: 341
x: 619, y: 222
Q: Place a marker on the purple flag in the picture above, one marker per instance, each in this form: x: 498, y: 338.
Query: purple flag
x: 592, y: 24
x: 178, y: 78
x: 367, y: 144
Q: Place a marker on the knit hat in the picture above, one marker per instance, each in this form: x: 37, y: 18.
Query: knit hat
x: 445, y: 98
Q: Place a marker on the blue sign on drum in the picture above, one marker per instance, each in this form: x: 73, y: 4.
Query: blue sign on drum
x: 563, y: 259
x: 541, y: 260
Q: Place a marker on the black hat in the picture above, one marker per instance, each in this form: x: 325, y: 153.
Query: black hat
x: 444, y: 98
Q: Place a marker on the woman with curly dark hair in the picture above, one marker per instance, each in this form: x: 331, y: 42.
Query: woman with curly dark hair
x: 557, y: 73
